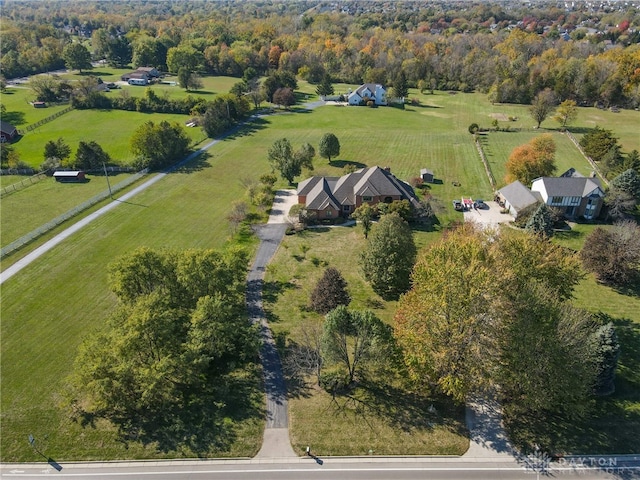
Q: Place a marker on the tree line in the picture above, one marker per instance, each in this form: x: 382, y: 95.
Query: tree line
x: 433, y: 47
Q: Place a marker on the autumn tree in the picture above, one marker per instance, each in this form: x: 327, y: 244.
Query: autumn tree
x: 284, y: 97
x: 329, y: 292
x: 354, y: 339
x: 532, y: 160
x: 443, y: 323
x: 329, y: 146
x: 566, y: 113
x: 613, y: 255
x: 77, y: 57
x: 542, y: 106
x: 389, y: 256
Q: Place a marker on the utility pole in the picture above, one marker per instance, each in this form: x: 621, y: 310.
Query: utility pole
x: 108, y: 184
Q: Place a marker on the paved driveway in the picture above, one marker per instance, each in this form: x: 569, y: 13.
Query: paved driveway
x: 488, y: 218
x: 282, y: 203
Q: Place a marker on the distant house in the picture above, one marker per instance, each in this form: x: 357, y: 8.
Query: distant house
x: 70, y: 176
x: 517, y: 198
x: 367, y: 92
x: 39, y: 104
x: 7, y: 132
x: 575, y: 195
x: 151, y: 71
x: 332, y: 197
x: 426, y: 175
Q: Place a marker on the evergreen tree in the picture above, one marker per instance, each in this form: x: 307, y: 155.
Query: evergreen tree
x: 329, y: 292
x: 400, y: 85
x: 541, y: 222
x: 607, y: 351
x: 628, y: 182
x: 325, y: 87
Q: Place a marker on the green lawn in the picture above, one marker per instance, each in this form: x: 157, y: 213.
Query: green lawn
x: 498, y: 146
x: 46, y: 200
x: 624, y: 125
x: 112, y: 130
x: 19, y: 112
x: 40, y: 332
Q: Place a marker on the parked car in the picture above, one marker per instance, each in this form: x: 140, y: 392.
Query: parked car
x: 457, y: 204
x: 480, y: 204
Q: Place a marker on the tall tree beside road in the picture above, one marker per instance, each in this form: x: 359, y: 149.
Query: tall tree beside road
x: 77, y: 57
x: 164, y: 352
x: 389, y: 256
x: 542, y: 106
x: 329, y: 146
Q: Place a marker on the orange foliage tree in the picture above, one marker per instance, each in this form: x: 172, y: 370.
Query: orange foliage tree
x: 532, y: 160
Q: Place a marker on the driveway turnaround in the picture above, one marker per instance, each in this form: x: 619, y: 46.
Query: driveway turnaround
x: 488, y: 217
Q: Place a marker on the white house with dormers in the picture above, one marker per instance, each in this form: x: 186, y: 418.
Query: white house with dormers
x: 366, y: 92
x: 574, y: 194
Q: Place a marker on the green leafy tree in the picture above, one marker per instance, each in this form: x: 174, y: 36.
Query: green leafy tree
x: 57, y: 149
x: 329, y: 146
x: 77, y: 57
x: 329, y: 292
x: 149, y: 52
x: 613, y: 255
x: 118, y: 51
x: 542, y: 106
x: 163, y: 364
x: 184, y: 56
x: 598, y: 142
x: 188, y: 79
x: 90, y: 156
x: 389, y: 256
x: 566, y: 113
x: 354, y: 339
x: 289, y: 163
x: 325, y: 87
x: 607, y: 352
x: 365, y: 214
x: 159, y: 145
x: 541, y: 222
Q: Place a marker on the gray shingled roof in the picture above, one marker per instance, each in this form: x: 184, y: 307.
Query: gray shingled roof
x: 569, y: 186
x: 7, y: 127
x: 518, y: 196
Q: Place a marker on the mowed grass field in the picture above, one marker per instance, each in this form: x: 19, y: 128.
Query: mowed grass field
x: 51, y: 305
x: 47, y: 199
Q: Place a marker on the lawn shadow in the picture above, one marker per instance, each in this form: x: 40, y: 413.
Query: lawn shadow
x: 204, y: 421
x: 404, y: 410
x: 580, y: 130
x: 344, y: 163
x: 198, y: 164
x: 631, y: 289
x: 247, y: 129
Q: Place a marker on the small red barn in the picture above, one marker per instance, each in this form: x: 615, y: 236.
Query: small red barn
x: 70, y: 176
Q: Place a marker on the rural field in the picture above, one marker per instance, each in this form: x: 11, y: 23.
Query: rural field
x: 188, y: 209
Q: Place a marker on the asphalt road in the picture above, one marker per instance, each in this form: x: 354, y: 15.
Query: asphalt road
x: 312, y: 469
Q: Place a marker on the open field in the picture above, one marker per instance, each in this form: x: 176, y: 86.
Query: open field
x: 188, y: 209
x: 19, y: 112
x: 46, y: 200
x: 624, y: 125
x: 498, y: 147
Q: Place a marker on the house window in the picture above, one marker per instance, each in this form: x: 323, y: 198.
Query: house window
x: 575, y: 201
x: 367, y: 198
x: 329, y: 213
x: 346, y: 208
x: 556, y: 200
